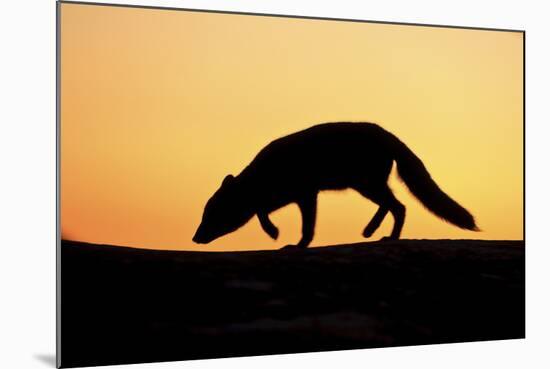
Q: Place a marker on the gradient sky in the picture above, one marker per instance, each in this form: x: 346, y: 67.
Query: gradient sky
x: 158, y: 106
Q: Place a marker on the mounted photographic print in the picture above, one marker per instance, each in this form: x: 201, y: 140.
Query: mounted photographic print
x: 237, y: 184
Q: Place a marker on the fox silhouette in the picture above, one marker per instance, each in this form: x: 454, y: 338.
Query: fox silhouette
x: 328, y: 156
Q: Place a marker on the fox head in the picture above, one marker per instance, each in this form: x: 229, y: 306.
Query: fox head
x: 225, y: 212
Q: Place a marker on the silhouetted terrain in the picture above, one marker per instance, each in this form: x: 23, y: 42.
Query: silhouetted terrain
x: 124, y: 305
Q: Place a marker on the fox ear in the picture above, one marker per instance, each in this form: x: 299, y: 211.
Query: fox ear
x: 228, y: 179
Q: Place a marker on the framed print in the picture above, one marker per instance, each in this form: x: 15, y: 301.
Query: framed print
x: 234, y: 184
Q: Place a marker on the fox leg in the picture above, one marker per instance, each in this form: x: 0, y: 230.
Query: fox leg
x: 308, y: 209
x: 375, y: 222
x: 397, y: 209
x: 383, y: 196
x: 267, y: 225
x: 375, y: 194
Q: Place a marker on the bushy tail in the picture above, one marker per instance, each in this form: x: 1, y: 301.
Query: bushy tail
x: 415, y: 175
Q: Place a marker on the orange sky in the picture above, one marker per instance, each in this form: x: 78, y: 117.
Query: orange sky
x: 158, y: 106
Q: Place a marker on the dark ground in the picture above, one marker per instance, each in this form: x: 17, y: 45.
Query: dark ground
x: 123, y: 305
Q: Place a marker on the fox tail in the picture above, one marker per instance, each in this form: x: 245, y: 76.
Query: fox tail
x: 416, y: 177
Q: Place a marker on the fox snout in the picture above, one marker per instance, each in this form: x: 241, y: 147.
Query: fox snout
x: 202, y: 236
x: 197, y: 239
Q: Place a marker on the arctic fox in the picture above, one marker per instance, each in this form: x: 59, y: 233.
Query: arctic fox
x: 328, y: 156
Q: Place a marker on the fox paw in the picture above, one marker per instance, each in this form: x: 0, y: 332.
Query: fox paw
x: 388, y: 238
x: 367, y: 232
x: 273, y: 232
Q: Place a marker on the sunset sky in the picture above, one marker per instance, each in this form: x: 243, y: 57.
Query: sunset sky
x: 158, y: 106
